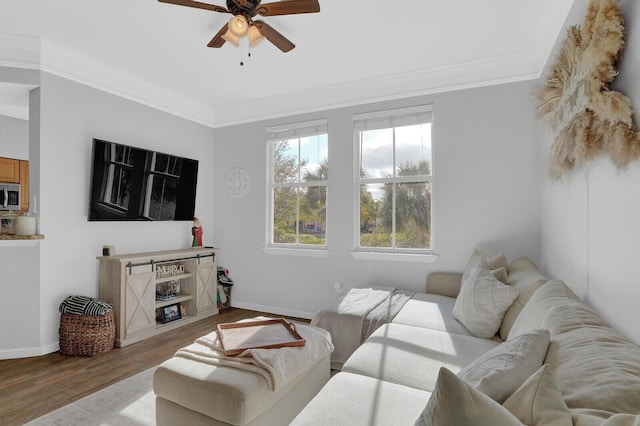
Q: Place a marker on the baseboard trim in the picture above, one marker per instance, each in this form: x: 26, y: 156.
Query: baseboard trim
x: 272, y: 310
x: 29, y: 352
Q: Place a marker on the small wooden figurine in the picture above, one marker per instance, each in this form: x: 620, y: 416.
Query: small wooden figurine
x: 196, y: 231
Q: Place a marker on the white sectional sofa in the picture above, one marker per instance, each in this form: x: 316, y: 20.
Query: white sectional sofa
x: 553, y: 360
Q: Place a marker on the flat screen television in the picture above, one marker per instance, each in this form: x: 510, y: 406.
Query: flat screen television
x: 129, y: 183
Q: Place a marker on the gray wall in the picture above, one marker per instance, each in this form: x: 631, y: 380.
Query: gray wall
x: 14, y: 138
x: 486, y: 193
x: 65, y: 262
x: 590, y: 229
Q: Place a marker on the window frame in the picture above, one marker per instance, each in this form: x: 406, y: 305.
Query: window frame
x: 397, y: 117
x: 287, y: 132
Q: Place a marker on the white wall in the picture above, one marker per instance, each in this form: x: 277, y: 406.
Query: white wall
x: 14, y: 138
x: 486, y: 193
x: 590, y: 228
x: 65, y: 262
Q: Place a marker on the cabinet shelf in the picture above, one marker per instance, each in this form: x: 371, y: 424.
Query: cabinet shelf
x: 183, y: 297
x: 174, y: 277
x: 173, y: 324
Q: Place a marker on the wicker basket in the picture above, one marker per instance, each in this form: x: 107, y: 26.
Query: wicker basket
x: 86, y: 335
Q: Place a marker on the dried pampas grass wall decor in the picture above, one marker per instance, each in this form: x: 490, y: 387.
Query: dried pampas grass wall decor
x: 585, y: 117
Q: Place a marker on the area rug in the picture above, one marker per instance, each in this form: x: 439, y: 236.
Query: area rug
x: 130, y: 402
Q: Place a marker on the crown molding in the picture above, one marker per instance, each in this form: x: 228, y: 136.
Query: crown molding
x: 19, y: 51
x: 520, y: 66
x: 57, y: 60
x: 45, y: 55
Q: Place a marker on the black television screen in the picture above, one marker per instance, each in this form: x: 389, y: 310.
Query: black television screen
x: 129, y: 183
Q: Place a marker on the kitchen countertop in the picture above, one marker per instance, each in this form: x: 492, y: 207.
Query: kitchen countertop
x: 6, y: 237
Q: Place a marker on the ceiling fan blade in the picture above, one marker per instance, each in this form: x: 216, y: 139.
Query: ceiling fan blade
x: 288, y: 7
x: 217, y: 40
x: 274, y: 36
x: 197, y: 5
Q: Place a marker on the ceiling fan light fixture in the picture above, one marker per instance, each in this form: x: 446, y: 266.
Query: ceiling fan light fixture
x: 230, y: 37
x: 238, y: 26
x: 255, y: 36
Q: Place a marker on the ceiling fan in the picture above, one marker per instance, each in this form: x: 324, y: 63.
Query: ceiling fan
x: 242, y: 23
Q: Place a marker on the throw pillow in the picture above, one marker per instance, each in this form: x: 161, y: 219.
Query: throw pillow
x: 482, y: 302
x: 539, y: 401
x: 501, y: 371
x: 488, y: 261
x: 454, y: 402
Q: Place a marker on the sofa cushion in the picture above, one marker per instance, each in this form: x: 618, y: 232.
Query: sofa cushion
x: 482, y: 302
x: 431, y: 311
x: 354, y: 400
x: 553, y: 293
x: 596, y: 366
x: 539, y: 401
x: 455, y: 402
x: 444, y: 283
x: 412, y: 356
x: 503, y: 369
x: 588, y: 417
x: 525, y: 276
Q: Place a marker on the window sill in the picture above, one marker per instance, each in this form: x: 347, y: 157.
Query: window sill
x: 394, y: 257
x: 296, y: 252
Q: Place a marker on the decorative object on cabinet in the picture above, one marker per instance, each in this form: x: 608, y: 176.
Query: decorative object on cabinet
x: 129, y: 282
x: 171, y: 313
x: 586, y: 118
x: 196, y: 231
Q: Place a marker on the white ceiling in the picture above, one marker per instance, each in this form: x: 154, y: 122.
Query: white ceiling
x: 349, y: 53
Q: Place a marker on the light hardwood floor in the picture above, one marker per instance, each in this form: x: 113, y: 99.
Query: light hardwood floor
x: 32, y: 387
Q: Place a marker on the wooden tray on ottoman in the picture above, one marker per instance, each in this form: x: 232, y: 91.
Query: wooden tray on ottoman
x: 236, y: 337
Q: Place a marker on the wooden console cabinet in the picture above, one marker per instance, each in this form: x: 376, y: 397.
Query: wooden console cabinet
x: 128, y: 282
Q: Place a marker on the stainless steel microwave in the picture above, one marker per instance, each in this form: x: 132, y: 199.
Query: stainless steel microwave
x: 9, y: 196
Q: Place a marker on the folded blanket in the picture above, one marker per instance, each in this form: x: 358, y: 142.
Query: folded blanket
x: 384, y: 312
x: 82, y: 305
x: 277, y: 366
x: 344, y: 318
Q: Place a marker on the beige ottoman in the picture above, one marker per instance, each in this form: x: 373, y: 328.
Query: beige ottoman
x: 189, y: 392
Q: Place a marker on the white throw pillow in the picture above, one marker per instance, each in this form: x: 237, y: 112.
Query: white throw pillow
x: 482, y: 302
x: 454, y: 402
x: 539, y: 401
x: 501, y: 371
x: 492, y: 262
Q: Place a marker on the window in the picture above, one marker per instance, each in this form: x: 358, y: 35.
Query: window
x: 394, y: 180
x: 298, y: 175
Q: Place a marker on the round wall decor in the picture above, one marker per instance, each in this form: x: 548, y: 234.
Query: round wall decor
x: 237, y: 183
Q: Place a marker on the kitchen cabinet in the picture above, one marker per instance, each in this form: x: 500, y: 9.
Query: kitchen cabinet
x: 13, y: 170
x: 24, y: 185
x: 9, y: 170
